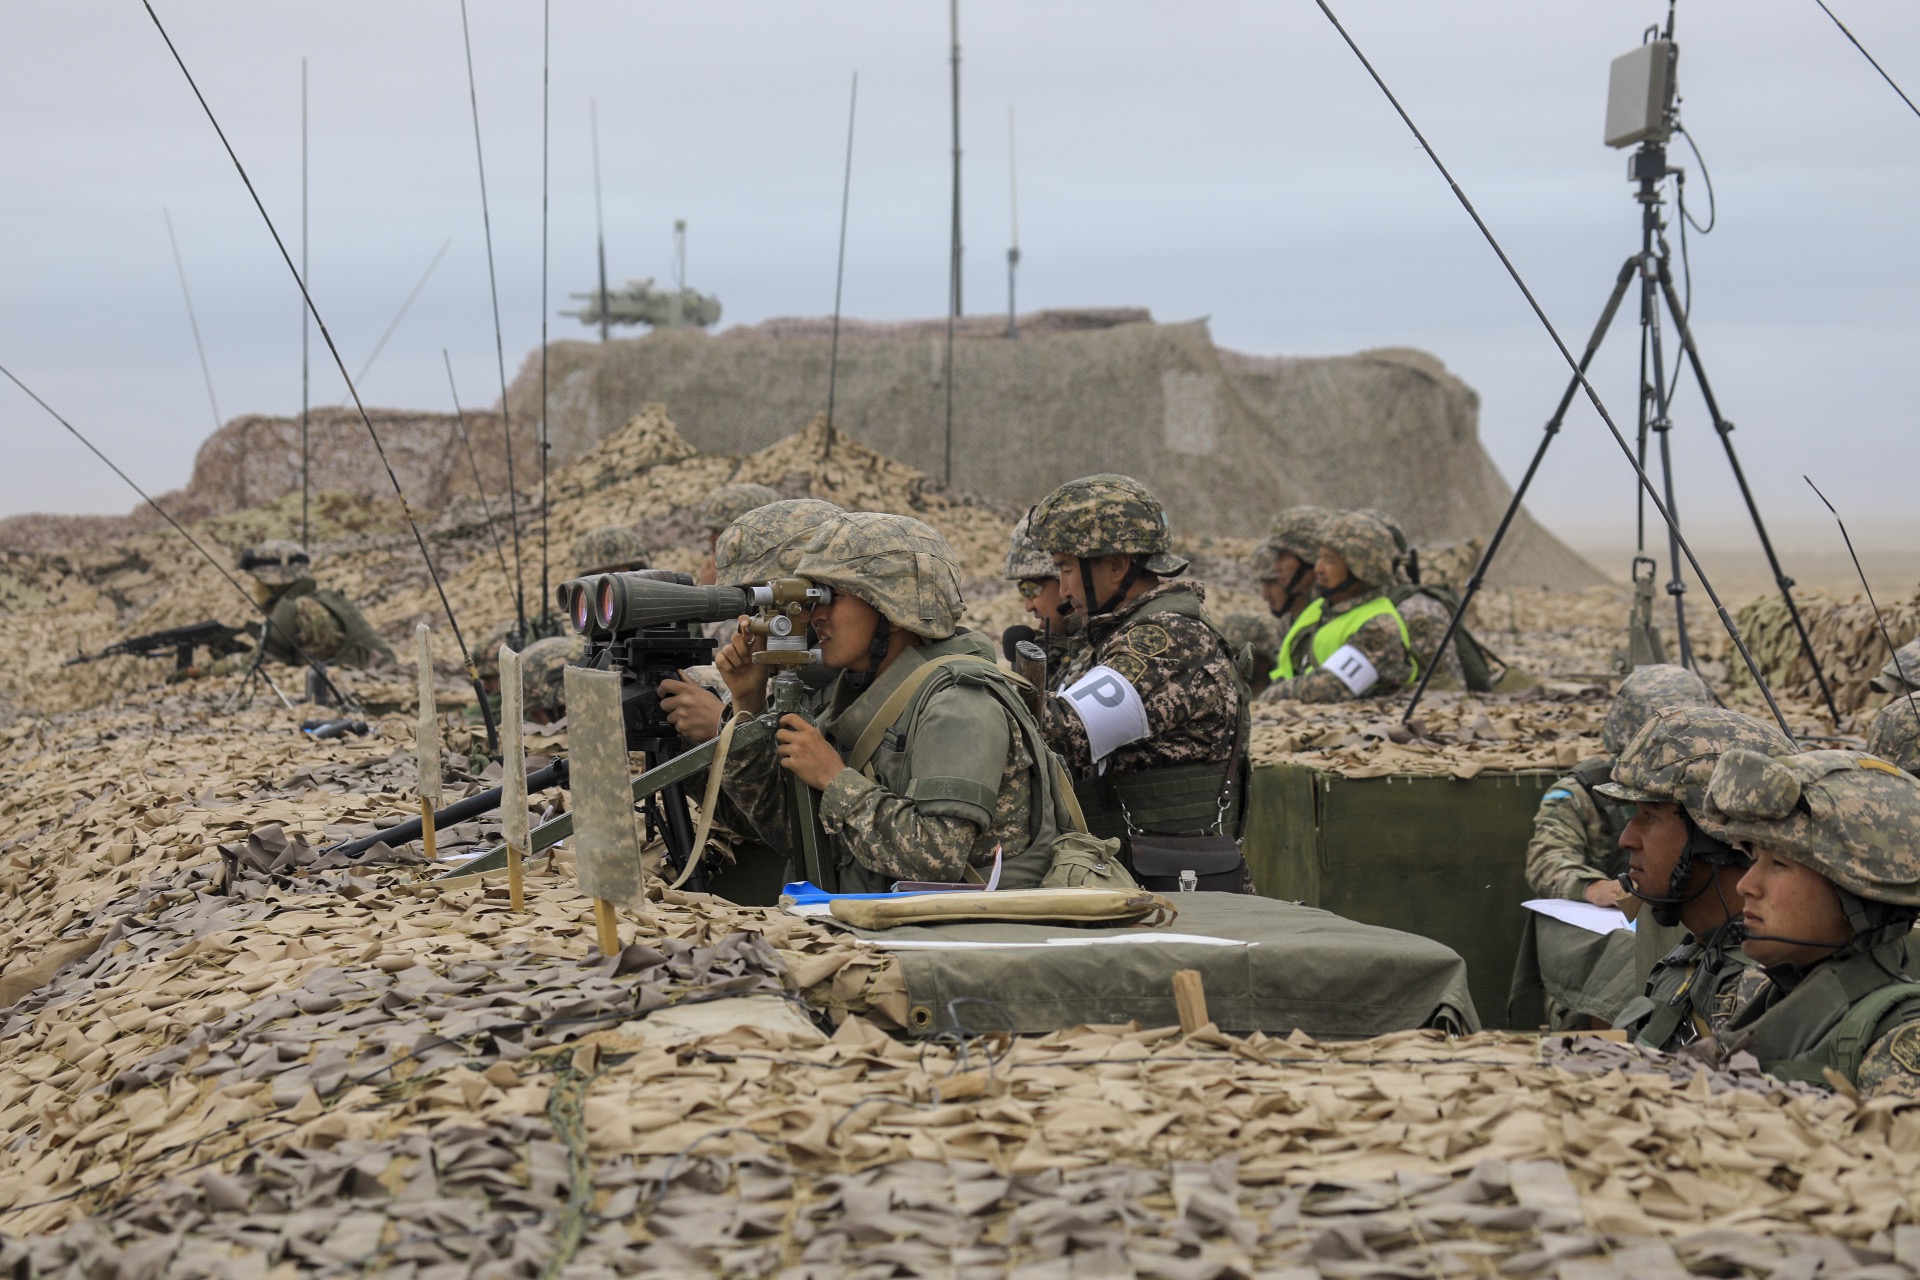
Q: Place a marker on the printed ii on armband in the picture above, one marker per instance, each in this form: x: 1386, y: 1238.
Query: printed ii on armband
x: 1110, y: 708
x: 1353, y: 669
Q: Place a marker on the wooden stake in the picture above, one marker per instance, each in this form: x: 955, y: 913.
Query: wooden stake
x: 608, y: 924
x: 516, y: 880
x: 426, y: 829
x: 513, y: 786
x: 1190, y: 998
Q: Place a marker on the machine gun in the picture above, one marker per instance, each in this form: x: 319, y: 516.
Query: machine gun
x: 217, y: 638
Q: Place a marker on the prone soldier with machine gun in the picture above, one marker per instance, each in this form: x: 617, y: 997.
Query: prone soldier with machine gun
x: 217, y: 638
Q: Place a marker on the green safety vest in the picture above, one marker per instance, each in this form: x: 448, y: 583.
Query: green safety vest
x: 1328, y: 639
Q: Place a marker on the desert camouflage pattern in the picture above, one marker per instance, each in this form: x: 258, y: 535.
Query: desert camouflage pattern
x: 729, y: 502
x: 1901, y: 671
x: 486, y: 654
x: 543, y: 666
x: 1297, y: 529
x: 612, y: 549
x: 1850, y: 816
x: 767, y: 542
x: 325, y: 627
x: 1183, y: 673
x: 1894, y: 735
x: 1394, y: 530
x: 1647, y: 690
x: 1573, y: 843
x: 1672, y: 755
x: 1257, y: 634
x: 313, y: 628
x: 279, y: 562
x: 1891, y: 1066
x: 899, y: 565
x: 1026, y: 560
x: 1378, y: 638
x: 1106, y: 515
x: 1364, y: 542
x: 1427, y: 620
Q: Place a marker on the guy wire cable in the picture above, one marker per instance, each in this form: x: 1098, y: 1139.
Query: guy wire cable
x: 1899, y: 667
x: 466, y: 439
x: 346, y: 700
x: 400, y: 315
x: 546, y: 77
x: 1580, y: 375
x: 499, y: 345
x: 1869, y: 57
x: 192, y: 321
x: 333, y: 349
x: 840, y: 269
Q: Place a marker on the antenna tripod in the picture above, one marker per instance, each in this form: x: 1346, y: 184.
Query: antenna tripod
x: 1650, y: 267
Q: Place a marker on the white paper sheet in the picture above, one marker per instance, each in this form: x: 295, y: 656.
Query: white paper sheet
x: 1582, y: 915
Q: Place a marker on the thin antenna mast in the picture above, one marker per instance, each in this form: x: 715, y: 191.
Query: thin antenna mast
x: 400, y: 315
x: 953, y: 264
x: 1899, y: 667
x: 546, y: 64
x: 466, y: 440
x: 1013, y: 249
x: 193, y: 323
x: 499, y: 344
x: 305, y: 401
x: 840, y: 269
x: 599, y: 219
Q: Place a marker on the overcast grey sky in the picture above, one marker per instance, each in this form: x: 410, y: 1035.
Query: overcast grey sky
x: 1227, y: 160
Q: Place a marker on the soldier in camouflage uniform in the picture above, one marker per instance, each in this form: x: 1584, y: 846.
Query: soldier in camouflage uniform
x: 1283, y: 564
x: 1894, y: 735
x: 305, y: 619
x: 1351, y: 642
x: 1061, y: 630
x: 543, y: 668
x: 1901, y: 671
x: 1575, y: 850
x: 1421, y: 607
x: 612, y: 549
x: 1257, y: 637
x: 1154, y: 648
x: 1830, y: 899
x: 721, y: 508
x: 1683, y: 873
x: 930, y: 784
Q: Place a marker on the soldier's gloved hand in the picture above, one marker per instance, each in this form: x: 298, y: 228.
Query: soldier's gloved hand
x: 809, y: 756
x: 693, y: 712
x: 1604, y: 893
x: 747, y: 682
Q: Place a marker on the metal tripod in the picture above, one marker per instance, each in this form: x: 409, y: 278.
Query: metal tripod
x: 1650, y: 266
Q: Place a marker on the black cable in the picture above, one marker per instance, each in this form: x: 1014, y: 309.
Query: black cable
x: 1580, y: 376
x: 406, y: 508
x: 1869, y: 57
x: 1713, y: 204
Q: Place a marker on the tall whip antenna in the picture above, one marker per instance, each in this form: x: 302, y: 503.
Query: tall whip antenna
x: 305, y: 398
x: 1899, y: 667
x: 546, y: 63
x: 181, y: 267
x: 1876, y: 66
x: 1579, y: 373
x: 466, y: 439
x: 599, y: 217
x: 499, y: 344
x: 1013, y: 248
x: 406, y: 508
x: 953, y: 264
x: 840, y: 269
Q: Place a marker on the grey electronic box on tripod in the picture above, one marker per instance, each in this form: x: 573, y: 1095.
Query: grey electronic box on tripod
x: 1643, y: 113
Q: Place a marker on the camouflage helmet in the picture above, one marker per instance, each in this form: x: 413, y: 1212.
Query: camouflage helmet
x: 897, y: 564
x: 543, y: 671
x: 1363, y: 542
x: 486, y: 654
x: 612, y: 549
x: 1673, y: 754
x: 278, y: 563
x: 1401, y: 547
x: 1025, y: 560
x: 1852, y: 817
x: 731, y: 501
x: 769, y: 540
x: 1901, y: 670
x: 1255, y: 631
x: 1647, y: 690
x: 1295, y: 531
x: 1106, y: 515
x: 316, y: 632
x: 1894, y: 735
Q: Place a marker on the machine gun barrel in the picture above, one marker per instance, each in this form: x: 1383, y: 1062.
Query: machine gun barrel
x: 216, y: 636
x: 553, y: 775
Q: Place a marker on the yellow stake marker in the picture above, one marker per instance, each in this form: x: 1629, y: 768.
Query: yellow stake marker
x: 608, y: 923
x: 513, y: 783
x: 427, y: 740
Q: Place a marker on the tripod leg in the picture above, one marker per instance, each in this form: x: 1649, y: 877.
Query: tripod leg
x: 1661, y: 422
x: 1724, y: 430
x: 1526, y: 481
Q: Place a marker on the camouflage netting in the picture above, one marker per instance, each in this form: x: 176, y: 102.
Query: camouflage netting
x: 1845, y: 635
x: 1225, y: 439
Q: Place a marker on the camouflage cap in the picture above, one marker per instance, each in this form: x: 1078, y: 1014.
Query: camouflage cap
x: 612, y: 549
x: 1363, y: 542
x: 1106, y: 515
x: 278, y: 563
x: 768, y: 541
x: 1296, y: 531
x: 1025, y: 560
x: 1647, y: 690
x: 543, y: 669
x: 1852, y: 817
x: 1673, y: 754
x: 1894, y: 735
x: 1901, y: 670
x: 731, y: 501
x: 897, y: 564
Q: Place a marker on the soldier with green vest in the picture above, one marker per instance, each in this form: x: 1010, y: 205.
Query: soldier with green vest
x: 1154, y: 734
x: 1829, y: 901
x: 306, y: 619
x: 1575, y: 849
x: 1057, y: 628
x: 927, y: 761
x: 1351, y: 642
x: 1685, y: 874
x: 1283, y: 564
x: 1894, y: 735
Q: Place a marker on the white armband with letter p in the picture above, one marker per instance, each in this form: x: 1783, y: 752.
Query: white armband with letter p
x: 1110, y: 708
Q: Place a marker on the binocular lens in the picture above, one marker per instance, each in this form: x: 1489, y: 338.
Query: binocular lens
x: 579, y: 608
x: 605, y: 601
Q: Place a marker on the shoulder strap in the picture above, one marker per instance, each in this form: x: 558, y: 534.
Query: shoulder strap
x: 896, y: 705
x: 1859, y: 1029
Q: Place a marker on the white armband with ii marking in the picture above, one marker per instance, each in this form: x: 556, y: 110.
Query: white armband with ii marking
x: 1353, y: 669
x: 1110, y: 708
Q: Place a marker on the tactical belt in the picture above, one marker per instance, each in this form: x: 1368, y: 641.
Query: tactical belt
x: 1177, y: 800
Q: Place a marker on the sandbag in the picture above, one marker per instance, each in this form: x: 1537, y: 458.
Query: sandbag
x: 1026, y: 906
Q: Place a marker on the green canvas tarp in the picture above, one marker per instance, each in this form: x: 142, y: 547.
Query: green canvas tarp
x: 1286, y: 966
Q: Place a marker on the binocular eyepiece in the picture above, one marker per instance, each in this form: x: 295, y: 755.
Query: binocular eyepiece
x: 614, y: 603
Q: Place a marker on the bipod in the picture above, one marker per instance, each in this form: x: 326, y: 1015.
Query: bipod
x: 243, y: 696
